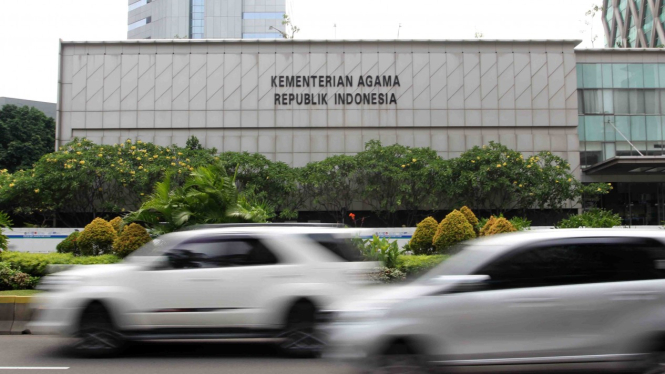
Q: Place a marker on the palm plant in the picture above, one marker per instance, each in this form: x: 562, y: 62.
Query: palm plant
x: 208, y: 196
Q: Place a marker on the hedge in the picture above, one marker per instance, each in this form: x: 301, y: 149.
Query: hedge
x: 35, y: 263
x: 416, y: 265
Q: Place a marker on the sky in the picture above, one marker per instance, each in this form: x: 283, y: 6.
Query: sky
x: 30, y: 29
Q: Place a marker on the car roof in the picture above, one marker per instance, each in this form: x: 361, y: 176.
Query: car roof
x: 533, y: 236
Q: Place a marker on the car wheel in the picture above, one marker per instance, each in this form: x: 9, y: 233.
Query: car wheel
x: 97, y: 336
x: 398, y: 359
x: 301, y: 337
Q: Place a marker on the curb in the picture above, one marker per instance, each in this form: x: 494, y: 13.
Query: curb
x: 15, y: 313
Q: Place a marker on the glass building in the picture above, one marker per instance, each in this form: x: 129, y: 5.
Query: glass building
x: 621, y: 128
x: 633, y: 23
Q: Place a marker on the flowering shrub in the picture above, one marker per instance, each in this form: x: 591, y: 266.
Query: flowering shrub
x: 97, y: 238
x: 13, y: 279
x: 131, y: 239
x: 421, y: 241
x: 452, y: 230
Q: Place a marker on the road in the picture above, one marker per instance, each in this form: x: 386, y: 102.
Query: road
x: 33, y: 351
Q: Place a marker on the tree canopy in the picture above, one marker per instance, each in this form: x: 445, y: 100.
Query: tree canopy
x: 26, y: 134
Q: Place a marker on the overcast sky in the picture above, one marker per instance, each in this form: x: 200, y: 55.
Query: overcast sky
x: 30, y: 29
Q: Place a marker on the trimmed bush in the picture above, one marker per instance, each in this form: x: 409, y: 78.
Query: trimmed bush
x: 117, y: 225
x: 597, y: 218
x: 131, y: 239
x: 416, y: 265
x: 97, y: 238
x: 452, y: 230
x: 468, y: 214
x: 34, y: 264
x: 501, y: 226
x: 70, y: 244
x: 421, y: 241
x: 486, y: 227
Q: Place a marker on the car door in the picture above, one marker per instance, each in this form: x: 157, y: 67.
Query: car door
x: 530, y: 308
x: 186, y: 293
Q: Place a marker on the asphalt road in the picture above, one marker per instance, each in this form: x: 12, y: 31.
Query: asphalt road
x: 20, y: 352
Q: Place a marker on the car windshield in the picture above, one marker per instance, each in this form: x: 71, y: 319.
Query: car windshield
x: 468, y: 258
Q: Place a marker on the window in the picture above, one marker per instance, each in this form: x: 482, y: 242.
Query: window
x: 138, y: 4
x: 138, y: 24
x: 343, y: 248
x: 212, y: 253
x: 592, y: 101
x: 249, y: 15
x: 579, y: 261
x: 196, y: 19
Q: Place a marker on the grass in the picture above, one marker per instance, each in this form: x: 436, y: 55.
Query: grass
x: 18, y: 292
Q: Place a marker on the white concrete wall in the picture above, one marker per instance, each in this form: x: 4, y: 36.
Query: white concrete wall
x: 36, y: 240
x: 453, y: 95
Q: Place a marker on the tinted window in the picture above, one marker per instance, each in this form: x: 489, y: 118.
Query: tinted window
x: 589, y: 261
x: 343, y: 248
x: 208, y: 253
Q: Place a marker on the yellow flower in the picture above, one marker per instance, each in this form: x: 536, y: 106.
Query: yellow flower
x: 403, y: 166
x: 79, y: 144
x: 132, y: 172
x: 179, y: 153
x: 155, y: 156
x: 478, y: 157
x: 138, y: 158
x: 100, y: 189
x: 138, y: 142
x: 129, y: 141
x: 473, y: 161
x: 112, y: 165
x: 414, y: 160
x: 187, y: 159
x: 498, y: 165
x: 504, y: 164
x: 82, y: 162
x: 179, y: 171
x: 520, y: 186
x: 515, y: 182
x: 142, y: 194
x: 100, y: 155
x: 78, y: 153
x: 599, y: 189
x: 570, y: 179
x: 122, y: 210
x: 556, y: 181
x: 609, y: 184
x: 36, y: 190
x: 528, y: 166
x: 11, y: 185
x: 173, y: 164
x: 140, y: 167
x: 133, y: 147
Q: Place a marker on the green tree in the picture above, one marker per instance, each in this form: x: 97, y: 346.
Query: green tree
x: 397, y: 177
x: 89, y: 178
x: 207, y: 196
x: 332, y: 184
x: 497, y: 178
x: 26, y: 134
x: 193, y: 143
x: 274, y: 183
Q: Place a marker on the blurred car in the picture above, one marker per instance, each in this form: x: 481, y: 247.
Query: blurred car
x: 583, y: 299
x: 216, y: 283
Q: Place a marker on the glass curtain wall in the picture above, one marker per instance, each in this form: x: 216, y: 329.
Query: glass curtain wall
x: 621, y: 110
x: 196, y: 19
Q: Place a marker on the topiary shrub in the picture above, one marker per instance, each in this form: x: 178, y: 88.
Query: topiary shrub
x: 487, y: 226
x: 97, y: 238
x: 35, y: 264
x: 452, y: 230
x: 70, y: 244
x: 468, y: 214
x: 421, y: 241
x: 131, y: 239
x: 117, y: 225
x: 413, y: 265
x: 501, y: 226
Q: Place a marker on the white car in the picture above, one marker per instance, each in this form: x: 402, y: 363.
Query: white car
x: 543, y: 300
x: 234, y: 282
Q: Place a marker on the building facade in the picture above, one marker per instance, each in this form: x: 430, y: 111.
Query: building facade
x: 633, y: 23
x: 205, y: 19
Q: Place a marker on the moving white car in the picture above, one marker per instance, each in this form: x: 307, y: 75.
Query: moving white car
x: 582, y: 299
x: 254, y: 281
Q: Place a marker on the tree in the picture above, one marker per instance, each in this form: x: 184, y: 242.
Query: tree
x: 290, y: 30
x: 333, y: 184
x: 590, y: 15
x: 83, y: 177
x: 5, y: 223
x: 274, y: 183
x: 207, y: 196
x: 26, y: 134
x: 496, y: 178
x: 397, y: 177
x: 193, y: 143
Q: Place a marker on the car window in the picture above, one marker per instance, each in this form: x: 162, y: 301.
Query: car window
x: 342, y: 247
x: 585, y: 261
x: 213, y: 253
